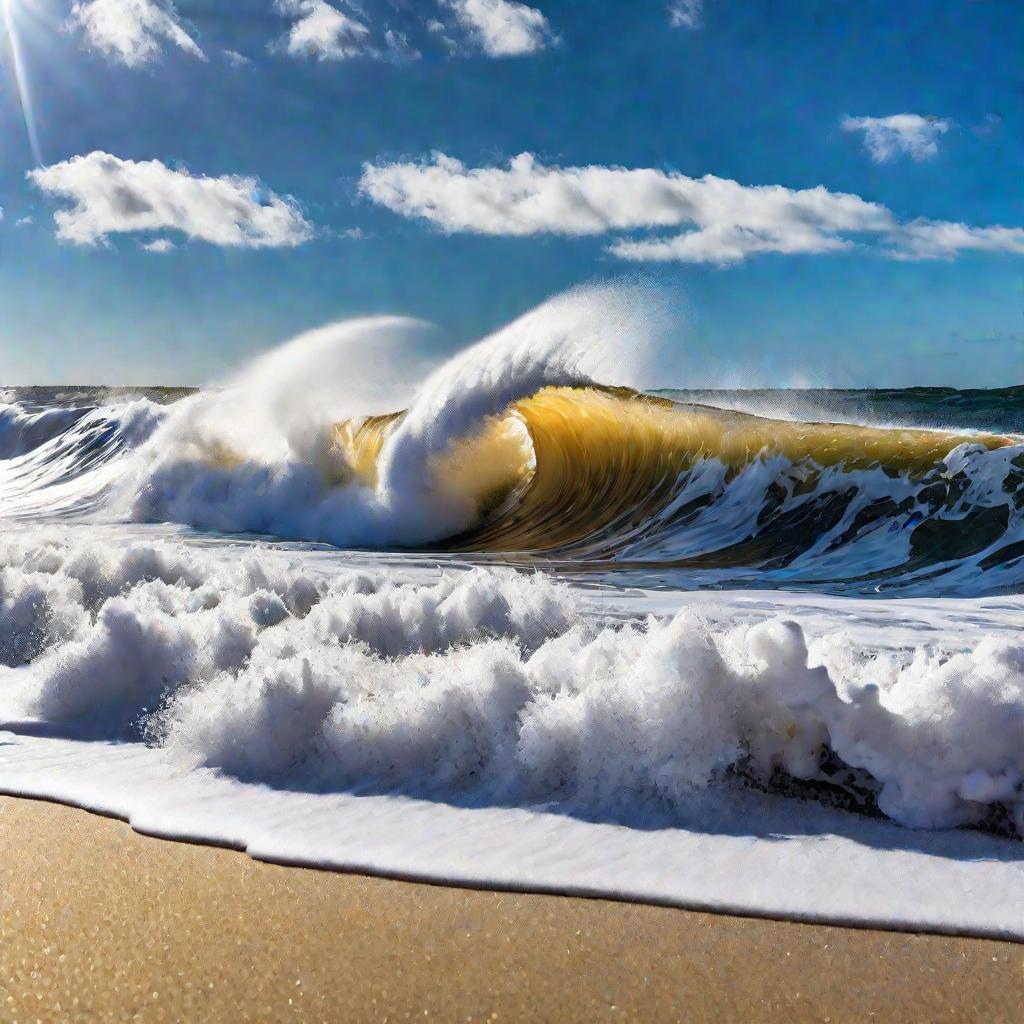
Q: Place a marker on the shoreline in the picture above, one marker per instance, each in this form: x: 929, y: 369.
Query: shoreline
x: 430, y: 880
x: 96, y: 918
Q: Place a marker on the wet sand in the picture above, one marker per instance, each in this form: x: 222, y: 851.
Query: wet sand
x: 100, y: 924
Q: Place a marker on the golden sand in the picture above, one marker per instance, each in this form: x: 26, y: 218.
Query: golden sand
x: 100, y: 924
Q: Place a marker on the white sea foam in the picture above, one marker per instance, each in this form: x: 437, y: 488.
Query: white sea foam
x: 751, y: 854
x: 491, y: 684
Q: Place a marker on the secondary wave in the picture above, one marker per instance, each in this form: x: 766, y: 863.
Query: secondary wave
x: 64, y: 460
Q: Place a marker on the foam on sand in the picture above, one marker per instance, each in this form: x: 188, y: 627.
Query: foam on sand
x: 487, y: 727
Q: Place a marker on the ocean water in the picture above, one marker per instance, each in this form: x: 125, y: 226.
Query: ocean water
x: 530, y: 618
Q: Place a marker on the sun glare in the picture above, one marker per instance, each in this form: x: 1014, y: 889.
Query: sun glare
x: 11, y: 9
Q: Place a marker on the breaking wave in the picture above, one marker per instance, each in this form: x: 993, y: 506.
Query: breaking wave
x: 536, y: 446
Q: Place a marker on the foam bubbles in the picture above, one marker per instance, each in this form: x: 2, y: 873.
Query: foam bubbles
x: 489, y: 686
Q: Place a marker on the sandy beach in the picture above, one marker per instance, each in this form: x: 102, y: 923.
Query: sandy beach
x: 98, y: 923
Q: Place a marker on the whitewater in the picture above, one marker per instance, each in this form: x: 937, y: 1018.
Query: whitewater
x: 527, y: 617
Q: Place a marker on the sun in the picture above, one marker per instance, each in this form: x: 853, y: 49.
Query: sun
x: 11, y: 12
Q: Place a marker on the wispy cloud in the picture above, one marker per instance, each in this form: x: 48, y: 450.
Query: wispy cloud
x: 440, y: 30
x: 502, y: 28
x: 323, y: 32
x: 990, y: 124
x: 158, y: 245
x: 686, y: 13
x: 398, y: 49
x: 887, y: 138
x: 112, y: 196
x: 930, y: 239
x: 131, y: 32
x: 723, y: 221
x: 236, y: 59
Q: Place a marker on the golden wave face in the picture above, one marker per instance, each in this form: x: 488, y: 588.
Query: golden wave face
x: 572, y: 466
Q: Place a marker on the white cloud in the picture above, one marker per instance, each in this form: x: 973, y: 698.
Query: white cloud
x: 527, y: 198
x: 929, y: 239
x: 502, y: 28
x: 729, y: 243
x: 158, y: 245
x: 113, y: 196
x: 236, y: 59
x: 131, y: 31
x: 685, y: 13
x: 498, y: 28
x: 440, y: 30
x: 899, y: 135
x: 22, y: 222
x: 323, y: 32
x: 398, y: 48
x: 722, y: 221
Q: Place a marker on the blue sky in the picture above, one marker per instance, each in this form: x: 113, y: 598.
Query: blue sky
x: 283, y: 153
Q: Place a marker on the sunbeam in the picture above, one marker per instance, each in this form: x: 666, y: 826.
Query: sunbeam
x: 20, y: 78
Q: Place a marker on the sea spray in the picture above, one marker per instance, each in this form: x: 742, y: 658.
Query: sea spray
x: 259, y: 455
